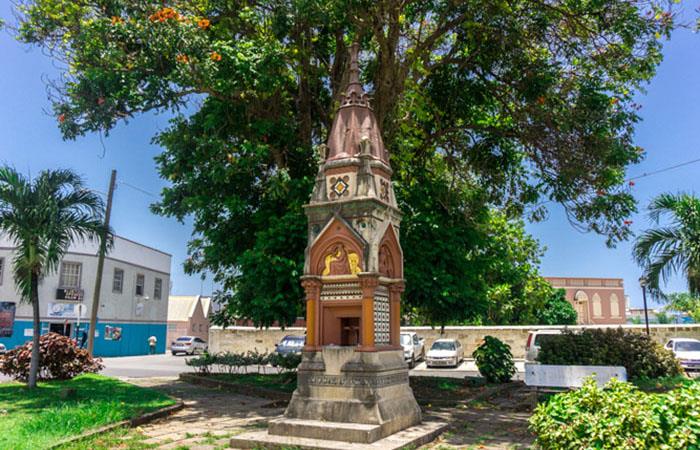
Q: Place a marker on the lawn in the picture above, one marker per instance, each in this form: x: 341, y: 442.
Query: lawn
x: 39, y: 418
x: 284, y: 382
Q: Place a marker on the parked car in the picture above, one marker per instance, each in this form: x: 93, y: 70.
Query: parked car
x: 445, y: 353
x: 534, y: 342
x: 188, y: 345
x: 290, y: 344
x: 687, y: 351
x: 413, y: 347
x: 3, y: 349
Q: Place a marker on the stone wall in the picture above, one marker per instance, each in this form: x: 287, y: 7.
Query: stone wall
x: 237, y: 339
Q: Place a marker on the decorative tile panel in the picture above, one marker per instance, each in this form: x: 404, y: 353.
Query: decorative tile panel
x: 382, y: 335
x: 341, y: 291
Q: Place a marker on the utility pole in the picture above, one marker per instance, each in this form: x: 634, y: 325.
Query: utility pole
x: 100, y: 266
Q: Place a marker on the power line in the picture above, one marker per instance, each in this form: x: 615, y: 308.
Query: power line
x: 665, y: 169
x: 143, y: 191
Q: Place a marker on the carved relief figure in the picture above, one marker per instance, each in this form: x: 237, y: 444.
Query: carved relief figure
x: 341, y: 262
x: 386, y: 263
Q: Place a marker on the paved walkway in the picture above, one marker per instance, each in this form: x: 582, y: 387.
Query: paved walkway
x: 209, y: 419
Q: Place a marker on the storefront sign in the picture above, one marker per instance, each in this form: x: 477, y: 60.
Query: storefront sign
x: 7, y: 318
x: 65, y: 311
x: 75, y: 295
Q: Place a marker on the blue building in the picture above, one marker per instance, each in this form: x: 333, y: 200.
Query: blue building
x: 133, y: 298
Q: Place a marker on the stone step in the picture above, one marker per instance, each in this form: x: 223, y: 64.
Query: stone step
x: 318, y: 429
x: 409, y: 438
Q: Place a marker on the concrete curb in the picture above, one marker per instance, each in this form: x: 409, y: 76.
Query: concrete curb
x: 131, y: 423
x: 243, y: 389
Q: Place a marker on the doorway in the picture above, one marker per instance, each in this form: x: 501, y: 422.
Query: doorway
x: 60, y: 328
x: 350, y: 331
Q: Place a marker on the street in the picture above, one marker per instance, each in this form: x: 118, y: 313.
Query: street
x: 167, y: 365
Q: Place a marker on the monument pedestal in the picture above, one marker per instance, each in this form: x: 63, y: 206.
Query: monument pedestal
x: 352, y: 395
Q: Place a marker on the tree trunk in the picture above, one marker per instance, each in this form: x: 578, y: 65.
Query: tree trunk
x: 34, y: 365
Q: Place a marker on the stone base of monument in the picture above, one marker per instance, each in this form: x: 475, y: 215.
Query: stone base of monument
x: 347, y: 396
x: 412, y: 437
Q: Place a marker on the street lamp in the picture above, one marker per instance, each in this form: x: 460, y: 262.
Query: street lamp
x: 643, y: 284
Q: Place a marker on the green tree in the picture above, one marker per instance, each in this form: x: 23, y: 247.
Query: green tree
x: 42, y: 217
x: 556, y: 310
x: 527, y: 101
x: 672, y: 248
x: 684, y: 302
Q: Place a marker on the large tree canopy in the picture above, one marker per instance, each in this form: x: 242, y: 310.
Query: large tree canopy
x: 483, y: 105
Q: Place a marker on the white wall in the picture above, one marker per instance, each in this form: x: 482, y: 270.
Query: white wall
x: 129, y: 256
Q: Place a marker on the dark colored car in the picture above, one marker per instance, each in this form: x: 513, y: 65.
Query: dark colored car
x: 290, y: 344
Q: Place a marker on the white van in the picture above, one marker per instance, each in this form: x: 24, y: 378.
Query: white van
x: 534, y: 341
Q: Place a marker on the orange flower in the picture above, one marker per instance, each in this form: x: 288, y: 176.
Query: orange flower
x: 540, y: 100
x: 628, y: 222
x: 214, y: 56
x: 61, y: 118
x: 100, y: 100
x: 163, y: 15
x: 182, y: 59
x: 631, y: 183
x: 117, y: 20
x: 203, y: 23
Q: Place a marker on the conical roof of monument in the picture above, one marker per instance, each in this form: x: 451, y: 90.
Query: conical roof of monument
x: 355, y: 120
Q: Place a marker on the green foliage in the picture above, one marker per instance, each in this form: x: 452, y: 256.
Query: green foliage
x: 231, y: 362
x: 494, y: 360
x: 619, y: 417
x: 484, y: 105
x: 39, y: 418
x: 640, y: 355
x: 556, y: 310
x: 61, y: 359
x: 684, y: 302
x: 673, y: 247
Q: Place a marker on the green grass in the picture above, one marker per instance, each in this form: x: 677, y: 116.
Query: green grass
x: 284, y: 382
x: 38, y: 418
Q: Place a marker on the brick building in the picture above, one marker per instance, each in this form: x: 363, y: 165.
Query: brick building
x: 597, y: 301
x: 188, y: 315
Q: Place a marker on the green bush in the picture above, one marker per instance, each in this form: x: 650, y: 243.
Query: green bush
x: 619, y: 417
x: 494, y: 360
x: 637, y: 352
x: 202, y: 364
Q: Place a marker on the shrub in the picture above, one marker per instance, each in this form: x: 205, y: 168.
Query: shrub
x: 61, y: 359
x: 637, y: 352
x: 286, y: 362
x: 619, y: 417
x: 494, y: 360
x: 202, y: 364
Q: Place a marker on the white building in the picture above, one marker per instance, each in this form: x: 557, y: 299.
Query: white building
x: 133, y: 298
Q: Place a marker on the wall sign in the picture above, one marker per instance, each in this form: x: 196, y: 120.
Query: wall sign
x: 113, y: 333
x: 7, y: 318
x: 66, y: 311
x: 72, y: 294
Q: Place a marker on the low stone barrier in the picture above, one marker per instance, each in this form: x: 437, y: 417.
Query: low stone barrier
x: 238, y: 339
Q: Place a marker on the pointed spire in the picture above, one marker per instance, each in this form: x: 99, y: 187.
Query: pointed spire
x: 355, y: 94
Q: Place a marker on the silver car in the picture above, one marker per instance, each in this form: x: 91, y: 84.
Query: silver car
x: 188, y: 345
x: 445, y: 353
x: 534, y: 341
x: 3, y: 349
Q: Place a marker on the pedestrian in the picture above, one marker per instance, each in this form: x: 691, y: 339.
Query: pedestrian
x: 83, y: 338
x: 152, y: 341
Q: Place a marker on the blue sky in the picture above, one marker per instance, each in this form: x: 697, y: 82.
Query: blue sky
x: 30, y: 141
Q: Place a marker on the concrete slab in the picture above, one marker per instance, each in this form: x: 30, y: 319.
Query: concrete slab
x: 410, y: 437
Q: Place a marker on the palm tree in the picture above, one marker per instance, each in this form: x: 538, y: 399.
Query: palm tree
x: 673, y: 248
x: 43, y: 217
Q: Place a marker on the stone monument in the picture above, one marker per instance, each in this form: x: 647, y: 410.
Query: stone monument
x: 352, y: 384
x: 352, y: 381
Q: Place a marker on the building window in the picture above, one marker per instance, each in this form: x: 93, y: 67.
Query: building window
x: 614, y: 305
x: 2, y: 268
x: 597, y: 306
x: 118, y: 281
x: 194, y: 327
x: 140, y: 284
x: 201, y: 328
x: 158, y: 289
x: 70, y: 275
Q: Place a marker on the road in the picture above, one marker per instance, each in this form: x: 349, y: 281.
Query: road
x: 167, y: 365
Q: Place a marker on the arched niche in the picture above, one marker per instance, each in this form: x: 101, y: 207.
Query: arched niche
x: 338, y: 250
x: 390, y: 262
x: 614, y: 305
x: 597, y: 306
